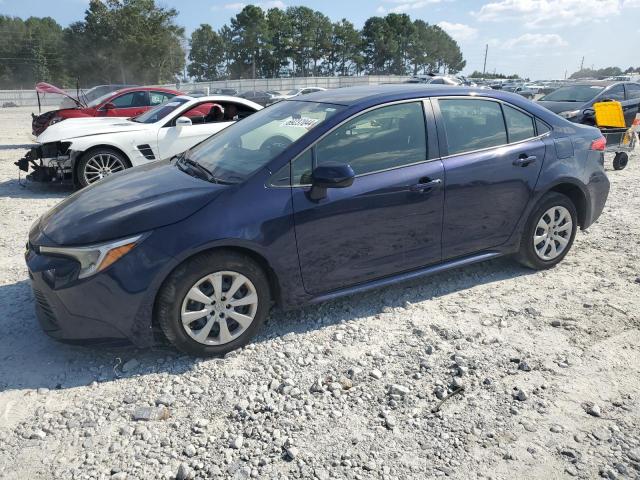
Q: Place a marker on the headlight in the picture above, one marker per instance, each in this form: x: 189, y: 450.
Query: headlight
x: 96, y: 258
x: 570, y: 114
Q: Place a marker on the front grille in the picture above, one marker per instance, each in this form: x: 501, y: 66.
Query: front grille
x: 146, y: 151
x: 45, y: 308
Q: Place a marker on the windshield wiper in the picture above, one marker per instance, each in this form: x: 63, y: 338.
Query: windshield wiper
x: 185, y: 163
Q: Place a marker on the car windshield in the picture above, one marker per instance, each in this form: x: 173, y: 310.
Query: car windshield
x: 241, y: 149
x: 573, y: 93
x: 294, y: 91
x: 158, y: 112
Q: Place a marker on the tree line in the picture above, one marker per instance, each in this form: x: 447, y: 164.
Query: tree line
x: 602, y: 72
x: 137, y: 41
x: 119, y: 41
x: 302, y: 42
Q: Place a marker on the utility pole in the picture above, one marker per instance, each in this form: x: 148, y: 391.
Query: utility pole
x: 486, y: 51
x: 582, y: 63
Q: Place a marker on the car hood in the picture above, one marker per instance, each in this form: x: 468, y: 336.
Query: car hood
x: 558, y: 107
x: 88, y: 126
x: 124, y: 204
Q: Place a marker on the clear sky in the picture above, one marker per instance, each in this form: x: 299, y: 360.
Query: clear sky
x: 540, y: 39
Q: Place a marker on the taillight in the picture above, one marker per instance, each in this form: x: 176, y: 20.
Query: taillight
x: 599, y: 144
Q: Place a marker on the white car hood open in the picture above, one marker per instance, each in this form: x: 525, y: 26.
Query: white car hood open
x: 88, y: 126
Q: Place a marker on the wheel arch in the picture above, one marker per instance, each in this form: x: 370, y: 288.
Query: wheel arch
x: 577, y: 195
x: 80, y: 154
x: 261, y: 260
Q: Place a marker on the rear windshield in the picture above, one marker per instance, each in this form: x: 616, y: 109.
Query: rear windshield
x: 574, y: 93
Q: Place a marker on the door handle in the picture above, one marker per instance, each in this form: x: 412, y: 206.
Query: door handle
x: 425, y: 185
x: 524, y: 160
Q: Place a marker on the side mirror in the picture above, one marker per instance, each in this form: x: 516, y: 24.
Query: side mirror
x: 330, y: 176
x: 183, y: 122
x: 109, y: 106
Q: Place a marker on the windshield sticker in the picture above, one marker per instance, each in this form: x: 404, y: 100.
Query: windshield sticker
x: 300, y: 122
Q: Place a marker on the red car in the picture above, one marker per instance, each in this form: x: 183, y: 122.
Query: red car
x: 127, y: 102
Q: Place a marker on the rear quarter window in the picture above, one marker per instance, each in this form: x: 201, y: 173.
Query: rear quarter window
x: 519, y: 125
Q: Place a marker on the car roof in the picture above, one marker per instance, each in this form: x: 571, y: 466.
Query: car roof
x: 145, y: 89
x: 350, y: 96
x: 359, y: 98
x: 593, y: 83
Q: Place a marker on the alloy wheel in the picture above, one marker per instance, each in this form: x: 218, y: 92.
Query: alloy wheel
x: 102, y: 165
x: 219, y: 307
x: 552, y: 233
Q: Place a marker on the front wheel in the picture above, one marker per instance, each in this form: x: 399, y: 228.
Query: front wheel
x: 213, y: 303
x: 98, y: 164
x: 549, y: 233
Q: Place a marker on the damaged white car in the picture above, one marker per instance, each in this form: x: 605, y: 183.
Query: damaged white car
x: 85, y: 150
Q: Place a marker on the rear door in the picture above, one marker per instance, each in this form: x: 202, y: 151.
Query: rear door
x: 492, y: 161
x: 389, y: 220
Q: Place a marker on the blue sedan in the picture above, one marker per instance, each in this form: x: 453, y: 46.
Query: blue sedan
x: 310, y: 199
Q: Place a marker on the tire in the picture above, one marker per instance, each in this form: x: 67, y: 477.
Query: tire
x: 200, y: 273
x: 99, y: 163
x: 549, y: 251
x: 620, y: 161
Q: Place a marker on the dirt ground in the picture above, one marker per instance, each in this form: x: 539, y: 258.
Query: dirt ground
x: 550, y: 362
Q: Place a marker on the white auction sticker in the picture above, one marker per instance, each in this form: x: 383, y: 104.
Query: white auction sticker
x: 302, y: 122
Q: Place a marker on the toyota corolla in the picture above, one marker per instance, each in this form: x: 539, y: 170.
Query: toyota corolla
x: 310, y: 199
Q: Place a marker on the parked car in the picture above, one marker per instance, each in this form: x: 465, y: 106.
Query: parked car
x: 86, y: 150
x: 261, y: 97
x: 575, y: 102
x: 225, y: 91
x: 308, y: 200
x: 436, y: 80
x: 296, y: 92
x: 521, y: 89
x: 127, y: 102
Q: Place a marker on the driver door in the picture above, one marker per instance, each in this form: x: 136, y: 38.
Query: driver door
x: 173, y: 140
x: 129, y: 105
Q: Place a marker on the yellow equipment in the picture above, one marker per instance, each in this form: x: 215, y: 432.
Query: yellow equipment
x: 609, y: 114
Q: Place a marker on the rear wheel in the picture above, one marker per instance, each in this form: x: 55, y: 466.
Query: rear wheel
x: 620, y: 161
x: 213, y: 303
x: 97, y: 164
x: 549, y: 233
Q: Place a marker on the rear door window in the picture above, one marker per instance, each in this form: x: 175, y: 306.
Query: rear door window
x: 472, y: 124
x: 519, y: 124
x: 156, y: 98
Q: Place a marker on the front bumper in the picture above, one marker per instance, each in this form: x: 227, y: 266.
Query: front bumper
x: 48, y: 162
x: 116, y: 304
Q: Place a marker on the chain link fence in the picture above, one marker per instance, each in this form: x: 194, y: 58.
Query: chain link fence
x: 27, y: 98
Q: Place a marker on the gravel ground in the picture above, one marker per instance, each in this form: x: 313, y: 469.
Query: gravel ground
x: 549, y: 363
